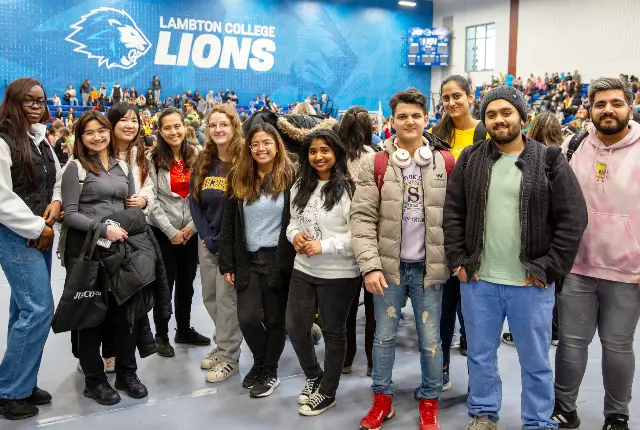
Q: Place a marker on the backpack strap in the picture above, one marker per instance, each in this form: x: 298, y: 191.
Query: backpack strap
x: 480, y: 133
x: 575, y: 143
x: 82, y: 172
x: 380, y: 163
x: 449, y: 161
x: 553, y: 152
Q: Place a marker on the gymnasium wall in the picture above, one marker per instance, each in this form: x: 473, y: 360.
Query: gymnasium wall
x: 597, y: 38
x: 467, y: 13
x: 355, y: 52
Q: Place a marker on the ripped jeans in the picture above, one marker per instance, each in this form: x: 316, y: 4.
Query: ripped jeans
x: 427, y: 304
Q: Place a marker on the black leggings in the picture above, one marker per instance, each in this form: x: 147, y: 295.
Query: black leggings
x: 181, y: 263
x: 369, y: 329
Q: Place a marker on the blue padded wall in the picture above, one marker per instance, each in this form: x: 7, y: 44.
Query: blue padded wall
x: 354, y: 51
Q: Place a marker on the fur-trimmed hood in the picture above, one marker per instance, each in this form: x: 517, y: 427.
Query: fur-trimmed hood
x: 300, y: 134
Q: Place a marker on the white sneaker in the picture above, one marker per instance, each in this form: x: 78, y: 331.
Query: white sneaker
x: 221, y: 371
x: 211, y: 360
x: 110, y: 365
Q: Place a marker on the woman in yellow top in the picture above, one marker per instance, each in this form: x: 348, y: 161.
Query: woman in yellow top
x: 457, y: 126
x: 460, y: 130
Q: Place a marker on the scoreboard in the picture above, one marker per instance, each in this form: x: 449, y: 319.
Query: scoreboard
x: 429, y: 46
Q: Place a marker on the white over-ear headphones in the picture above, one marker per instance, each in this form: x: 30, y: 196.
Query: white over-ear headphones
x: 402, y: 159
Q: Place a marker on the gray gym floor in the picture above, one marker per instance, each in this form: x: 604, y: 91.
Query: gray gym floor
x: 181, y: 399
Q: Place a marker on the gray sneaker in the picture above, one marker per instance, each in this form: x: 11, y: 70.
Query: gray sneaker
x: 482, y: 423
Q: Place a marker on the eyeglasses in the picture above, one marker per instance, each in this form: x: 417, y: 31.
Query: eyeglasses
x: 221, y: 126
x: 32, y: 102
x: 255, y: 146
x: 91, y: 133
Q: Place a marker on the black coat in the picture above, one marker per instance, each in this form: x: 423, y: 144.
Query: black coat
x: 134, y: 269
x: 553, y: 212
x: 233, y: 256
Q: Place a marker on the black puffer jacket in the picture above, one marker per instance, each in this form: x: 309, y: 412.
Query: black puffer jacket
x: 234, y: 257
x: 135, y: 270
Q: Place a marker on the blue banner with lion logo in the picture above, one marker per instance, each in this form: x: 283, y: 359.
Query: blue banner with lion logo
x: 286, y: 49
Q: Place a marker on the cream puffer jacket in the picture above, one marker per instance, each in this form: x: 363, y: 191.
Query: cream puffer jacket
x: 376, y: 219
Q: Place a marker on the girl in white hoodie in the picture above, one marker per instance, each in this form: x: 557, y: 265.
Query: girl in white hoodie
x: 325, y: 272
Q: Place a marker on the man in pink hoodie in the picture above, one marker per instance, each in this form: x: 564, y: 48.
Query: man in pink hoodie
x: 602, y: 291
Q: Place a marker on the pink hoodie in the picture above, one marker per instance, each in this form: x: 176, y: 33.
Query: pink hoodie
x: 610, y: 181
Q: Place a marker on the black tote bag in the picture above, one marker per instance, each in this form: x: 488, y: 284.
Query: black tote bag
x: 84, y: 300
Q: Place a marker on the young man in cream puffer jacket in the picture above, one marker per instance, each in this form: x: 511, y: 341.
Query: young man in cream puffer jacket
x: 398, y: 241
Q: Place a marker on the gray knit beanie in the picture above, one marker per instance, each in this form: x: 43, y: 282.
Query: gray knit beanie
x: 510, y: 94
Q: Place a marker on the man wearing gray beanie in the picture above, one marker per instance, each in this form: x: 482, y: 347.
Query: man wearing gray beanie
x: 514, y: 215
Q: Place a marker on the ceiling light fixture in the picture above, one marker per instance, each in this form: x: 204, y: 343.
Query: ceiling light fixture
x: 407, y: 3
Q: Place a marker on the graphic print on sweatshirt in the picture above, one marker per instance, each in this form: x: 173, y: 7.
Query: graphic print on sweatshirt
x: 601, y: 171
x: 413, y: 203
x: 308, y: 219
x: 215, y: 183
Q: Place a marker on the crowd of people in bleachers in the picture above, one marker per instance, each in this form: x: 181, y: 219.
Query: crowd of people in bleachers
x: 100, y: 99
x: 483, y: 219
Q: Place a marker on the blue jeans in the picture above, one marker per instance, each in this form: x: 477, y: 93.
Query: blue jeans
x: 427, y: 303
x: 30, y: 312
x: 529, y: 311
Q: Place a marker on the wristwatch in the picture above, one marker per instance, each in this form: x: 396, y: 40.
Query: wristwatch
x: 456, y: 271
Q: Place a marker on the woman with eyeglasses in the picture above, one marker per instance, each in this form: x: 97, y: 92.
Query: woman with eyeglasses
x: 170, y: 219
x: 107, y: 186
x: 223, y: 137
x: 255, y: 255
x: 30, y: 194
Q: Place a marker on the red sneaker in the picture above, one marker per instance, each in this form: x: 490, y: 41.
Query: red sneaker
x: 381, y: 411
x: 429, y: 414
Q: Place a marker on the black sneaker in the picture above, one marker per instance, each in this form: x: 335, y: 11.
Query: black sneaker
x: 164, y: 348
x: 17, y: 409
x: 566, y: 420
x: 254, y: 374
x: 191, y: 337
x: 103, y: 394
x: 265, y: 385
x: 616, y: 422
x: 318, y: 403
x: 507, y: 338
x: 446, y: 379
x: 463, y: 346
x: 310, y: 387
x: 129, y: 383
x: 39, y: 397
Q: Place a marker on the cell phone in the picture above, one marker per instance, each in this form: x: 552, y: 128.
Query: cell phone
x: 104, y: 242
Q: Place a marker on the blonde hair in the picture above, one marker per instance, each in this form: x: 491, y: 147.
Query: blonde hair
x: 546, y: 129
x: 210, y: 151
x: 304, y: 109
x: 190, y: 134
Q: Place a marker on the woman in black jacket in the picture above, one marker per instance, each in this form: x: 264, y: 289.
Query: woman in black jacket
x: 255, y: 255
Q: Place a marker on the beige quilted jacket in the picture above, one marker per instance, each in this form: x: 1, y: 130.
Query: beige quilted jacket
x: 376, y: 220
